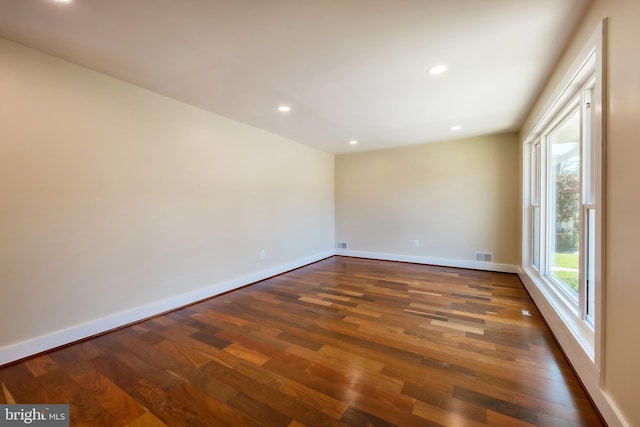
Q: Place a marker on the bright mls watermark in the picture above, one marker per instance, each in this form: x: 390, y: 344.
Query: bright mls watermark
x: 34, y: 415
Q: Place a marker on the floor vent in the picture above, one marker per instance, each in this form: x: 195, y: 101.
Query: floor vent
x: 484, y: 256
x: 341, y: 245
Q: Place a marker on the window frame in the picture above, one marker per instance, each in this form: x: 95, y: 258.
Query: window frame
x: 586, y: 82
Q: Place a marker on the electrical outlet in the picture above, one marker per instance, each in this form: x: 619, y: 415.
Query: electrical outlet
x: 416, y: 243
x: 263, y: 254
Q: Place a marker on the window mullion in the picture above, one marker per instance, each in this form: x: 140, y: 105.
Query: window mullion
x: 585, y: 172
x: 544, y: 250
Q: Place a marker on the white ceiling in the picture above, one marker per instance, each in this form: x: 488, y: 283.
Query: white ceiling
x: 349, y: 69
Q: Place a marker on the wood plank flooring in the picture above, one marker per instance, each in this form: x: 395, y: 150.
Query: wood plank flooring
x: 340, y: 342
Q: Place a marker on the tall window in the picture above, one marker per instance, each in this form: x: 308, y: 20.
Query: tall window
x: 535, y: 206
x: 563, y: 201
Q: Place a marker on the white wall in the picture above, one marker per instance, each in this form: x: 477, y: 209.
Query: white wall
x: 115, y: 198
x: 454, y: 197
x: 621, y: 372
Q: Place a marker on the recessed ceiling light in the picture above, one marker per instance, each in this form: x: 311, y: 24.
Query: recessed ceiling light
x: 284, y: 108
x: 437, y: 69
x: 455, y: 128
x: 353, y: 142
x: 62, y: 1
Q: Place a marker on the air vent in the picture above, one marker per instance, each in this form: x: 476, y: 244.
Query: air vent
x: 341, y: 245
x: 484, y: 256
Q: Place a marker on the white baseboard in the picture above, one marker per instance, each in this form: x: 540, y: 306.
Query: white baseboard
x: 580, y: 361
x: 443, y: 262
x: 59, y: 338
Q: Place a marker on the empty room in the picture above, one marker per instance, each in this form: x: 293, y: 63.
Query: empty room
x: 340, y: 213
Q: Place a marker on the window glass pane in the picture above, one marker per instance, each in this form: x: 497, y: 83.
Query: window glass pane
x: 591, y: 265
x: 564, y: 204
x: 535, y: 174
x: 535, y: 236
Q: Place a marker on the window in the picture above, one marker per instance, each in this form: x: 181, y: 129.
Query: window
x: 535, y: 206
x: 561, y: 202
x: 562, y: 233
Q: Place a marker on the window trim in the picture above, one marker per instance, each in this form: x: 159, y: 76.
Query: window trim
x: 588, y: 336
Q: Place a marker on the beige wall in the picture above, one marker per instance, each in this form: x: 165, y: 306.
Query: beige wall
x: 114, y: 197
x: 622, y: 201
x: 455, y: 197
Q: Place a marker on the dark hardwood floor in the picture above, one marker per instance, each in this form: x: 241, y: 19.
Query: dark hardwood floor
x: 340, y: 342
